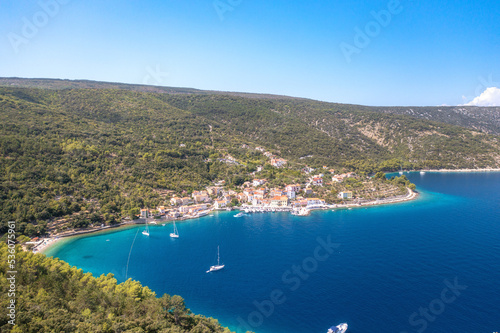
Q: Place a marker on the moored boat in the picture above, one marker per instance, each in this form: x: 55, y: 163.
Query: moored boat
x: 174, y: 234
x: 146, y: 231
x: 217, y: 267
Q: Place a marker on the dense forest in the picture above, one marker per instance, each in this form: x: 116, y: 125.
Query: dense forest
x: 98, y: 152
x: 483, y: 119
x: 52, y: 296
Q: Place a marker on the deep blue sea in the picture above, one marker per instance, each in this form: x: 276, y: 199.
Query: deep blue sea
x: 429, y: 265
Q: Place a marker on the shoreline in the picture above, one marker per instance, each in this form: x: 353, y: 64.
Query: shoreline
x: 454, y: 170
x: 51, y: 241
x: 411, y: 195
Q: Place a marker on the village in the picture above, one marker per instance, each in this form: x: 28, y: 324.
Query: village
x: 260, y: 196
x: 321, y: 188
x: 253, y: 196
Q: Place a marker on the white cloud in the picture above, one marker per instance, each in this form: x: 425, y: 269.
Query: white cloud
x: 490, y: 97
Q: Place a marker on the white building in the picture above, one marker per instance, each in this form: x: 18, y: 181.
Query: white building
x: 258, y: 182
x: 144, y: 213
x: 345, y: 195
x: 315, y: 202
x: 219, y: 204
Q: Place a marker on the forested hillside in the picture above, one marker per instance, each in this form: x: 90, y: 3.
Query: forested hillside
x: 483, y: 119
x: 52, y: 296
x: 97, y: 152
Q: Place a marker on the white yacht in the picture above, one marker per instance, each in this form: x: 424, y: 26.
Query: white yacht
x: 217, y: 267
x: 174, y: 234
x: 340, y: 328
x: 240, y: 214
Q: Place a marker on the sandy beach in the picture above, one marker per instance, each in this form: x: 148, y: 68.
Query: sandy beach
x: 47, y: 242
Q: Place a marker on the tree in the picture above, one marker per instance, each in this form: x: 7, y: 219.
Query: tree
x: 30, y: 230
x: 57, y: 297
x: 238, y: 180
x: 133, y: 212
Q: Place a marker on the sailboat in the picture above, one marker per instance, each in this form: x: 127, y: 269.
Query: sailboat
x: 146, y: 231
x: 217, y: 267
x: 174, y: 234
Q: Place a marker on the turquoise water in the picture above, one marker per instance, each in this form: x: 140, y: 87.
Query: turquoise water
x: 388, y: 268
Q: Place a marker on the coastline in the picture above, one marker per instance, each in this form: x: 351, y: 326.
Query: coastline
x: 51, y: 241
x: 458, y: 170
x: 338, y: 224
x: 411, y: 195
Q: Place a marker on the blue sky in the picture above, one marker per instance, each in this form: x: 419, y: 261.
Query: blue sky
x: 416, y: 53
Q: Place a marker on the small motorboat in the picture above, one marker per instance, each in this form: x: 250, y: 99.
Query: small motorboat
x: 340, y: 328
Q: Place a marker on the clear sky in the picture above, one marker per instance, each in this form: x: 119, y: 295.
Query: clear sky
x: 378, y: 52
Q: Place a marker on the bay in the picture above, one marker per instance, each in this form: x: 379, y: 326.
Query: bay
x: 430, y: 265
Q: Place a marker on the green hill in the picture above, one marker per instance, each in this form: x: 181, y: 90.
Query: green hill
x: 94, y: 152
x: 98, y: 151
x: 52, y: 296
